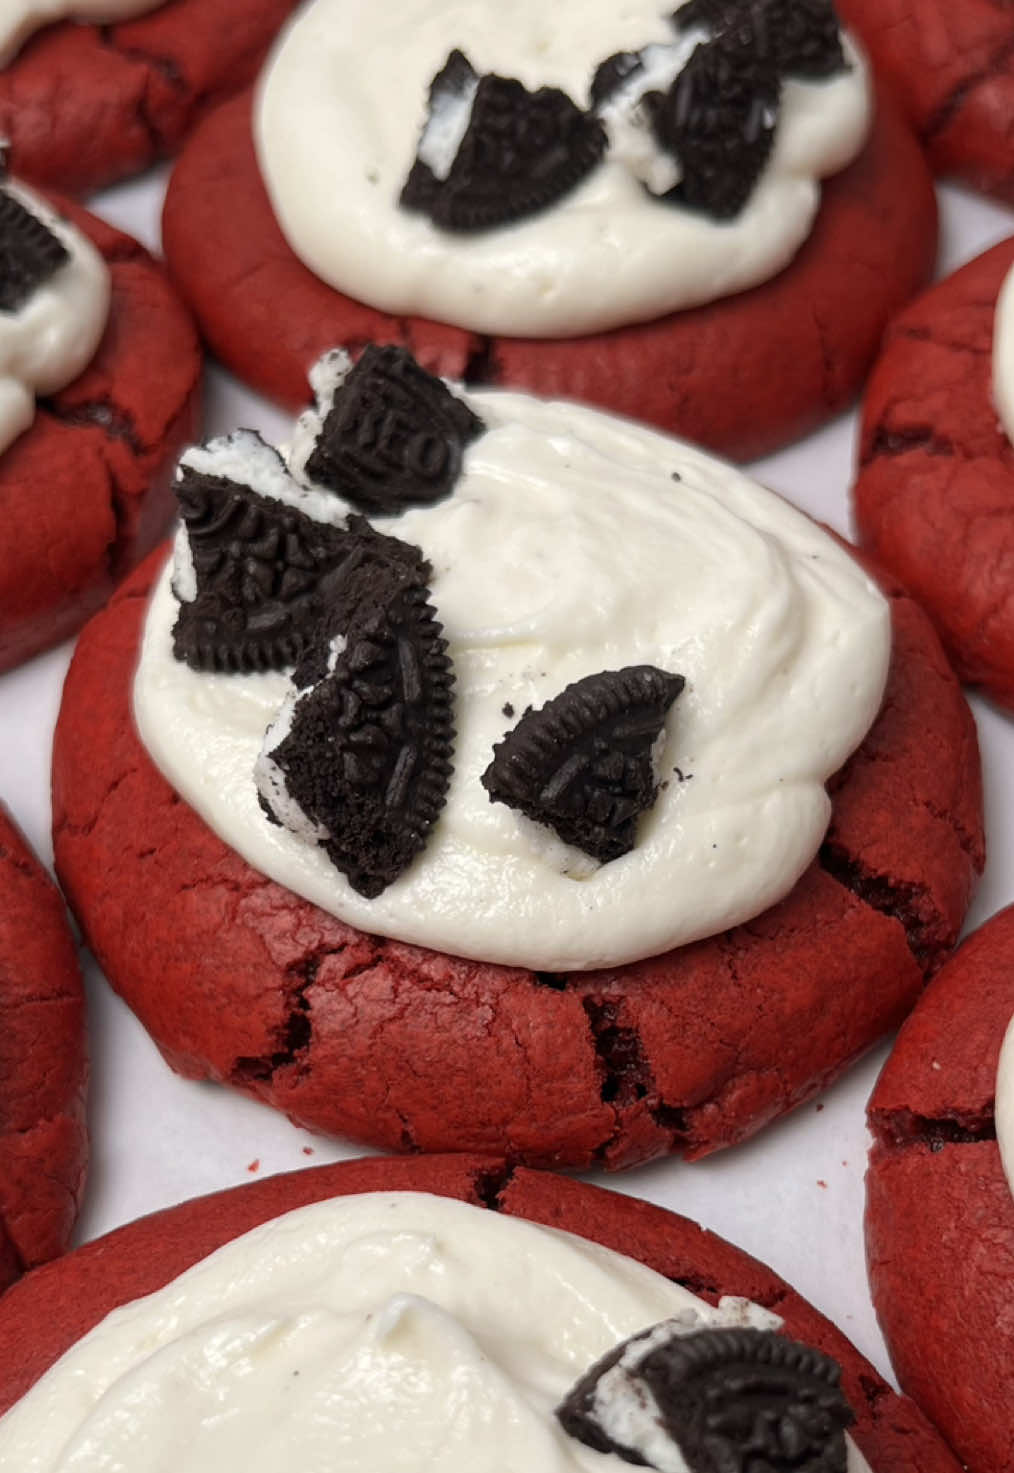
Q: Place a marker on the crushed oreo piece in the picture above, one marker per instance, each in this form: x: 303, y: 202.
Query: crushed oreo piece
x: 731, y: 1400
x: 263, y: 574
x: 393, y: 437
x: 582, y: 764
x: 364, y: 757
x: 718, y: 119
x: 802, y: 37
x: 449, y: 105
x: 29, y: 253
x: 374, y: 569
x: 805, y: 38
x: 614, y: 73
x: 519, y: 152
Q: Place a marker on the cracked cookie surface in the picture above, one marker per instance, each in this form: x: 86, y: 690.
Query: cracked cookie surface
x: 740, y: 376
x: 53, y: 1307
x: 85, y: 493
x: 939, y: 1215
x: 43, y: 1069
x: 934, y: 497
x: 85, y: 105
x: 411, y: 1049
x: 952, y: 67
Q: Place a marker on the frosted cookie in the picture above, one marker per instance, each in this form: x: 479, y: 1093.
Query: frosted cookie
x: 953, y: 68
x: 94, y: 90
x: 43, y: 1144
x: 940, y: 1216
x: 578, y: 897
x: 716, y: 251
x: 432, y: 1294
x: 934, y: 497
x: 99, y: 381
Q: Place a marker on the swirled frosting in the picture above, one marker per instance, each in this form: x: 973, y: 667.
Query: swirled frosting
x: 575, y: 542
x: 385, y: 1331
x: 20, y: 18
x: 339, y: 115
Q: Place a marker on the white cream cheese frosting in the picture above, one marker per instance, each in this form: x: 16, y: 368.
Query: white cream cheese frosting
x: 52, y: 338
x: 576, y: 542
x: 1003, y: 1112
x: 386, y: 1331
x: 19, y: 19
x: 339, y: 114
x: 1003, y: 356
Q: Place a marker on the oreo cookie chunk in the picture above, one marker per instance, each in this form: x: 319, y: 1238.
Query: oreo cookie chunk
x: 801, y: 37
x: 256, y: 563
x: 582, y: 764
x: 492, y: 152
x: 618, y: 90
x: 29, y: 253
x: 713, y: 1400
x: 718, y: 120
x: 392, y: 435
x: 361, y: 761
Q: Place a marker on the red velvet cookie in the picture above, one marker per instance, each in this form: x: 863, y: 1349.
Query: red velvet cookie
x: 86, y: 491
x: 939, y: 1217
x: 84, y: 105
x: 54, y: 1306
x: 742, y: 375
x: 952, y: 66
x: 935, y: 494
x: 240, y: 981
x: 43, y: 1144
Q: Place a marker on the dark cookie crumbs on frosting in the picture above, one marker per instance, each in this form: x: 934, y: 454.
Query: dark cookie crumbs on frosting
x: 393, y: 437
x: 718, y: 119
x: 520, y: 152
x: 582, y: 763
x: 29, y: 253
x: 367, y: 756
x: 802, y: 37
x: 731, y: 1400
x: 265, y: 573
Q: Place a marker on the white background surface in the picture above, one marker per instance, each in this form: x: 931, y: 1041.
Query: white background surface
x: 792, y: 1197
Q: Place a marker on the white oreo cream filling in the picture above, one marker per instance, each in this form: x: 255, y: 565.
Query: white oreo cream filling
x: 575, y: 542
x: 52, y: 338
x: 386, y: 1331
x: 340, y: 110
x: 19, y: 19
x: 1003, y: 356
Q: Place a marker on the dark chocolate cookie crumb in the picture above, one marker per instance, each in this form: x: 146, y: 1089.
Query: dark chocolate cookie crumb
x: 265, y: 574
x: 802, y: 37
x: 582, y: 764
x: 394, y: 436
x: 367, y: 756
x: 29, y: 253
x: 520, y: 152
x: 718, y: 120
x: 731, y: 1400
